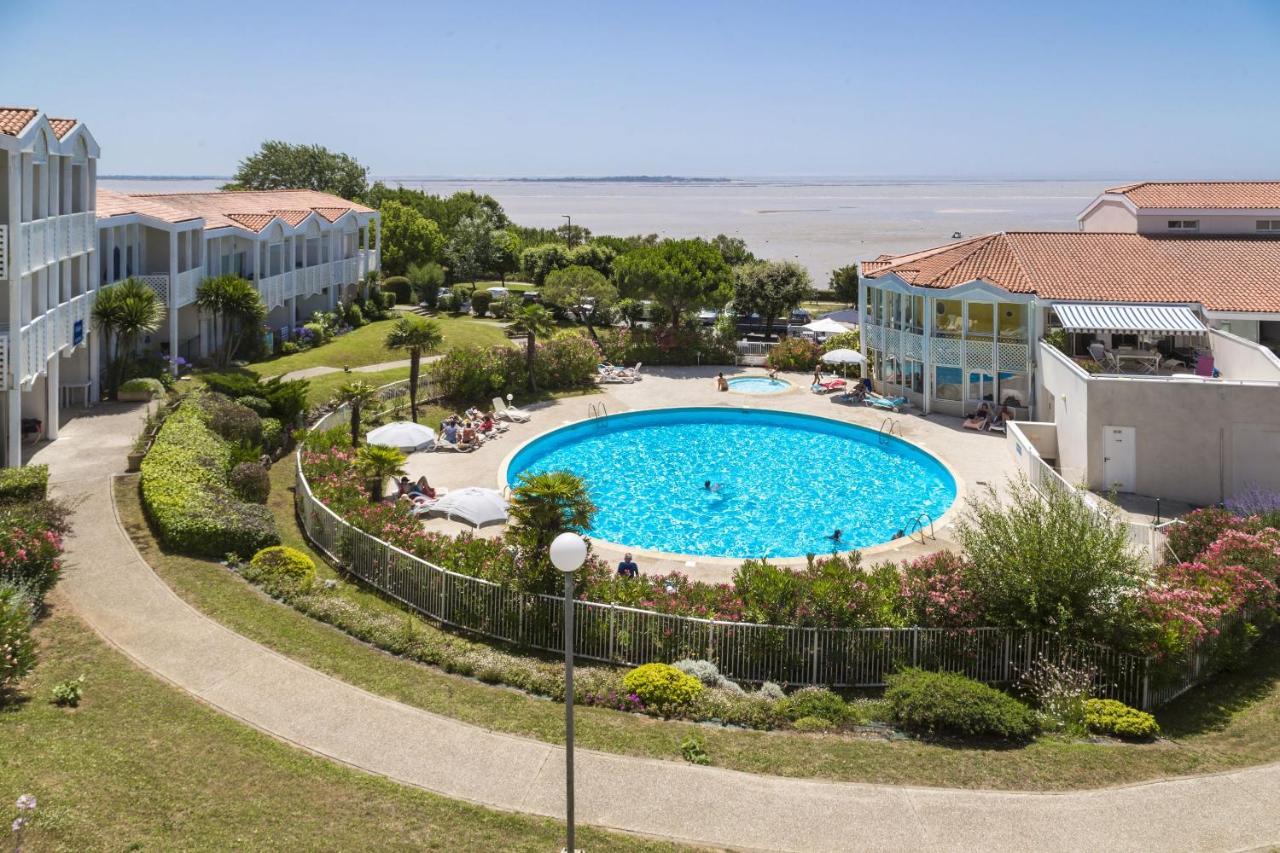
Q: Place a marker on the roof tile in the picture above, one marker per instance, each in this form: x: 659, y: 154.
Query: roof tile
x: 62, y: 126
x: 1204, y: 195
x: 14, y: 119
x: 1221, y: 273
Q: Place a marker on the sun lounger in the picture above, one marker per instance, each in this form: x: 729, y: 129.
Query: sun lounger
x: 632, y: 372
x: 442, y: 444
x: 509, y: 413
x: 880, y: 402
x: 975, y: 423
x: 613, y: 377
x: 826, y: 386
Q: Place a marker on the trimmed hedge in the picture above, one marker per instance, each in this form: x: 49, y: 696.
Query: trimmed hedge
x: 281, y: 564
x: 949, y: 703
x: 663, y: 687
x: 1109, y: 717
x: 186, y: 493
x: 20, y: 485
x: 154, y: 387
x: 398, y: 285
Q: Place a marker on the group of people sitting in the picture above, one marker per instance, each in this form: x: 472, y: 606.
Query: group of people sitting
x: 469, y: 431
x: 607, y: 372
x: 985, y: 419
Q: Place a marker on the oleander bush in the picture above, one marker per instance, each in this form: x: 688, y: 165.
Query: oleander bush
x: 186, y: 490
x: 24, y: 484
x: 31, y: 547
x: 1109, y: 717
x: 794, y: 354
x: 476, y: 374
x: 682, y: 347
x: 946, y: 703
x: 250, y: 482
x: 663, y: 687
x: 17, y: 648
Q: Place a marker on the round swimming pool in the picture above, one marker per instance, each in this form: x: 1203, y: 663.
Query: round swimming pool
x: 758, y: 385
x: 780, y: 483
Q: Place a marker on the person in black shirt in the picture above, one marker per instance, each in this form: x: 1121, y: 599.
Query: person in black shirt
x: 627, y: 568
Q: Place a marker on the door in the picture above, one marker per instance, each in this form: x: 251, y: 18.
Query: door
x: 1119, y: 466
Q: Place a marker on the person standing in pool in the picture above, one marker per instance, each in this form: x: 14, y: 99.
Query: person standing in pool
x: 722, y: 384
x: 835, y: 537
x: 628, y: 568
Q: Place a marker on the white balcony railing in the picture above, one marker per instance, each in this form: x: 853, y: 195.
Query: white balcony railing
x: 55, y: 238
x: 308, y: 281
x: 49, y: 334
x: 188, y: 281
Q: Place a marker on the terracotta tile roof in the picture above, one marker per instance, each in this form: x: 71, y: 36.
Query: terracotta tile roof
x: 1204, y: 195
x: 61, y: 126
x: 111, y: 203
x: 293, y: 217
x: 14, y: 119
x: 256, y: 209
x: 1221, y: 273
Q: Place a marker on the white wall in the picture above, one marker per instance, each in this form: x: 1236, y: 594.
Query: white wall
x: 1065, y: 399
x: 1110, y: 216
x: 1215, y: 223
x: 1239, y: 358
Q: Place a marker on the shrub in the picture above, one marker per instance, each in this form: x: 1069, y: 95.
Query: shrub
x: 692, y: 750
x: 290, y: 348
x: 232, y: 421
x: 675, y: 348
x: 67, y: 694
x: 794, y: 354
x: 282, y: 564
x: 480, y: 302
x: 812, y: 724
x: 154, y: 387
x: 398, y: 286
x: 355, y: 317
x: 1199, y: 529
x: 844, y: 340
x: 24, y: 484
x: 935, y: 593
x: 251, y: 482
x: 17, y: 649
x: 1049, y: 562
x: 769, y: 690
x: 257, y: 405
x: 288, y: 398
x: 703, y: 670
x: 30, y: 547
x: 272, y: 434
x: 820, y: 703
x: 1109, y: 717
x: 317, y: 332
x: 949, y: 703
x: 186, y: 493
x: 663, y: 688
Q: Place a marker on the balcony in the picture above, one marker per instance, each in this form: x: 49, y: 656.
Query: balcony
x: 308, y: 281
x: 55, y: 238
x: 47, y: 335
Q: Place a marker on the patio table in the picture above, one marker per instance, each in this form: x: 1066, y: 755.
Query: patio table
x: 1148, y: 360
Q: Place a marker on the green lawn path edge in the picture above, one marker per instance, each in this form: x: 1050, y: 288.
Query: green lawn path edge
x: 1231, y: 723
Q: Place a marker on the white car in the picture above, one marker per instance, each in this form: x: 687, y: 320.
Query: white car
x: 499, y: 292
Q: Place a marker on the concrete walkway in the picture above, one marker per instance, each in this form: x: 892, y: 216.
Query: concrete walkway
x: 309, y: 372
x: 123, y: 600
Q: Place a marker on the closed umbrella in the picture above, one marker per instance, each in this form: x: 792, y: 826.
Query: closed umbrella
x: 404, y: 435
x: 825, y: 326
x: 475, y: 505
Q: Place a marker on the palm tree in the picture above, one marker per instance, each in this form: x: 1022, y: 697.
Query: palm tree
x: 235, y: 305
x: 124, y: 312
x: 532, y: 321
x: 357, y: 395
x: 378, y: 463
x: 416, y: 336
x: 547, y: 504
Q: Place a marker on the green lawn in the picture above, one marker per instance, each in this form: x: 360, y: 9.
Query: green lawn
x: 1231, y: 723
x: 366, y: 345
x: 142, y: 766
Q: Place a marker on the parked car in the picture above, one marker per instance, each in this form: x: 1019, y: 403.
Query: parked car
x: 708, y: 317
x: 800, y: 317
x: 499, y: 292
x: 530, y: 297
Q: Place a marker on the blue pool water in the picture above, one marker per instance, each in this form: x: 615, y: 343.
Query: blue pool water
x: 784, y: 481
x: 758, y: 385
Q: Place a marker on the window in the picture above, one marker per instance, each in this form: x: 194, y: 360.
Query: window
x: 981, y: 320
x: 948, y: 322
x: 1269, y: 226
x: 1184, y: 224
x: 946, y: 383
x: 1013, y: 321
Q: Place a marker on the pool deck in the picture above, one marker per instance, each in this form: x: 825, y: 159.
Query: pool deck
x: 976, y: 459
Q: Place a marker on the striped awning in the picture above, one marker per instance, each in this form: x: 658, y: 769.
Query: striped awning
x: 1132, y: 319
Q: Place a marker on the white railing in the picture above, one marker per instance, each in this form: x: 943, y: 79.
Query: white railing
x: 308, y: 281
x: 4, y: 251
x: 4, y: 361
x: 49, y: 334
x: 188, y: 282
x: 46, y: 241
x: 754, y: 352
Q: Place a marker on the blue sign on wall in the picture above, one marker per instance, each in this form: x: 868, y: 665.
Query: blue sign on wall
x: 77, y: 333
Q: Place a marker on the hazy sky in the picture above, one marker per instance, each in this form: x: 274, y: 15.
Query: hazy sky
x: 887, y: 89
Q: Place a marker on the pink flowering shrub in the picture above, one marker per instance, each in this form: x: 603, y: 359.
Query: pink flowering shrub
x: 1199, y: 530
x: 935, y: 594
x: 31, y: 546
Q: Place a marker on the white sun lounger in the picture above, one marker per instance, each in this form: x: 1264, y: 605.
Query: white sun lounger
x: 442, y: 444
x: 510, y: 413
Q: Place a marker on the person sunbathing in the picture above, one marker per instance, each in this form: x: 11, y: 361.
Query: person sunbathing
x: 468, y: 438
x: 486, y: 424
x: 422, y: 488
x: 1000, y: 420
x: 979, y: 419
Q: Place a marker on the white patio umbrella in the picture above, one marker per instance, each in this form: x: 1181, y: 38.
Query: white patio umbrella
x: 405, y: 435
x: 843, y: 357
x: 825, y: 326
x: 474, y: 505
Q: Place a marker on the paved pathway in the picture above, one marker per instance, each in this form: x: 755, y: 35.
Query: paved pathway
x: 123, y: 600
x: 308, y: 372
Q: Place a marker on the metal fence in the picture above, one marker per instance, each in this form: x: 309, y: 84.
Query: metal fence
x: 835, y: 657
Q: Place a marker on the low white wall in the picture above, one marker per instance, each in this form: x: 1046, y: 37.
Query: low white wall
x: 1238, y: 358
x: 1066, y: 400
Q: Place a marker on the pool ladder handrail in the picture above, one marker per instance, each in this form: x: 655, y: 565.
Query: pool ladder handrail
x: 892, y: 426
x: 918, y: 527
x: 597, y: 410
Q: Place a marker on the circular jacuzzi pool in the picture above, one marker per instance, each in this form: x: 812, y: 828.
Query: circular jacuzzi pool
x: 726, y: 482
x: 758, y: 385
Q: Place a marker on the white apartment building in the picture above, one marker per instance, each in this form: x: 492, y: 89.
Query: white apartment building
x: 305, y: 250
x: 48, y: 273
x: 62, y: 239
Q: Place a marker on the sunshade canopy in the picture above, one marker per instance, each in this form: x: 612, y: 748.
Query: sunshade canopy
x: 843, y: 356
x: 404, y: 435
x: 825, y: 326
x: 474, y: 505
x: 1130, y: 319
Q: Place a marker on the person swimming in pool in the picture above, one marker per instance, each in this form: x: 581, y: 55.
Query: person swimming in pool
x: 712, y: 487
x: 835, y: 537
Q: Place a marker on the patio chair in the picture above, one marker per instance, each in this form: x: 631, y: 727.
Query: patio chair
x: 1105, y: 358
x: 508, y: 413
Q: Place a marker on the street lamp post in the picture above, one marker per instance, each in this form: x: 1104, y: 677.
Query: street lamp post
x: 568, y: 230
x: 568, y: 553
